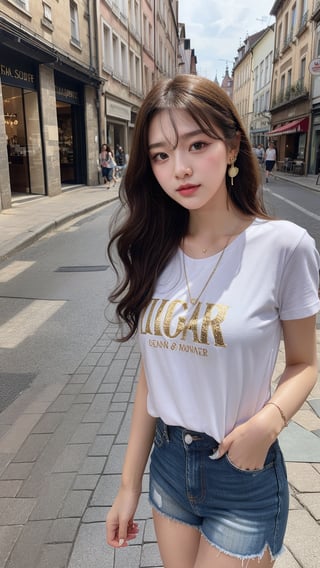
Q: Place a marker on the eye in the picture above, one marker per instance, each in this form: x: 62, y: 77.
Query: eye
x: 160, y: 157
x: 198, y: 145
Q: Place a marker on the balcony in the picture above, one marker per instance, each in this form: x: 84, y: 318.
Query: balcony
x: 287, y: 41
x: 290, y: 94
x: 303, y: 24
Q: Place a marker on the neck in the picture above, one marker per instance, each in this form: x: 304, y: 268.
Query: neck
x: 209, y: 232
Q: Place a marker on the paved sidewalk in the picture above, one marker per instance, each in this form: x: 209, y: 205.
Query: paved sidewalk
x: 33, y: 216
x: 61, y: 447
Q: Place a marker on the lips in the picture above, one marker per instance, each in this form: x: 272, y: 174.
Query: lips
x: 187, y: 189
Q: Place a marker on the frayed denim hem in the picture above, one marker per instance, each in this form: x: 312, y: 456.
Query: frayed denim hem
x: 244, y: 558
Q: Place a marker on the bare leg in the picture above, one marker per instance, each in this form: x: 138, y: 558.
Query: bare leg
x: 209, y: 557
x: 178, y: 543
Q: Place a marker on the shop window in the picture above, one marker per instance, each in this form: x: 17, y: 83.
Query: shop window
x: 22, y: 125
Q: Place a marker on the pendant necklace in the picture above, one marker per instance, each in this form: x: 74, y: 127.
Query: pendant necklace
x: 193, y: 300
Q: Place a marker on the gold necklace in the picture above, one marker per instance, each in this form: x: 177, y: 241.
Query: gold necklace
x: 194, y: 301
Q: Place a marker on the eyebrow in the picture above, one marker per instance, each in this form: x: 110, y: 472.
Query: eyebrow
x: 187, y: 135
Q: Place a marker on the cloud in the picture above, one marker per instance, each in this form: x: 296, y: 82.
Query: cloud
x: 217, y: 29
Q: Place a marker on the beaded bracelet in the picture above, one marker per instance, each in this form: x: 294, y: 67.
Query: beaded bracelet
x: 285, y: 421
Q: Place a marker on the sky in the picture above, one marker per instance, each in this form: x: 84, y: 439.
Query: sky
x: 217, y: 28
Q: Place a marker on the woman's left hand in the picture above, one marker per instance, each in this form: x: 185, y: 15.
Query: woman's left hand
x: 247, y: 445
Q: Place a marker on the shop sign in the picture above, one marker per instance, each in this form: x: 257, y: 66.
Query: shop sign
x: 118, y: 110
x: 67, y: 95
x: 314, y: 66
x: 17, y: 77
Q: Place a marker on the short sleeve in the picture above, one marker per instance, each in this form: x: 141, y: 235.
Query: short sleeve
x: 299, y: 284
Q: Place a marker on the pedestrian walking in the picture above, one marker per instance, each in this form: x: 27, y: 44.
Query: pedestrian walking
x: 271, y: 157
x: 209, y: 284
x: 120, y: 159
x: 107, y: 165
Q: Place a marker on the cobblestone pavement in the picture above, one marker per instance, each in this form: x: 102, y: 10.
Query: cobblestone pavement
x: 61, y: 453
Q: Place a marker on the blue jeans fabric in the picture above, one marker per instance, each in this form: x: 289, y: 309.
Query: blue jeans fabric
x: 239, y: 512
x: 107, y: 173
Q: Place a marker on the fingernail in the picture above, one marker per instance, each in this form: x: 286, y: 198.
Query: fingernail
x: 215, y: 455
x: 121, y: 541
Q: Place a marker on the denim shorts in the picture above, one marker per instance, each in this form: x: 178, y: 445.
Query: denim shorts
x: 240, y: 512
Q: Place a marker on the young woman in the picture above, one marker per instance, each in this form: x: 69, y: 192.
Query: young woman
x: 107, y: 165
x: 271, y: 157
x: 210, y: 283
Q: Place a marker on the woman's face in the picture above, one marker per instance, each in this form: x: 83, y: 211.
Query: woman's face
x: 189, y: 165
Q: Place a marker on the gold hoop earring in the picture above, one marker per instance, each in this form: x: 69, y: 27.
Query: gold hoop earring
x: 232, y: 171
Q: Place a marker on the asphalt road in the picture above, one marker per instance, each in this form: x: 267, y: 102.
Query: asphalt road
x: 295, y: 203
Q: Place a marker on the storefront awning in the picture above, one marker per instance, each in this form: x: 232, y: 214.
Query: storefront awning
x: 300, y: 125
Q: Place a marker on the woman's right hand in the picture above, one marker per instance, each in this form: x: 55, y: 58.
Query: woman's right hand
x: 119, y: 523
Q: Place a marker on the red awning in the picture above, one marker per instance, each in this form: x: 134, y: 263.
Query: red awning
x: 300, y: 125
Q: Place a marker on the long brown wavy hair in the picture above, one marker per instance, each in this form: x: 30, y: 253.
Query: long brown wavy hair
x: 154, y: 225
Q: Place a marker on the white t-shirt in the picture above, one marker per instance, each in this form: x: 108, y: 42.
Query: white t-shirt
x: 271, y: 155
x: 209, y: 366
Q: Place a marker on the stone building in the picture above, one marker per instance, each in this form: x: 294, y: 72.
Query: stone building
x: 242, y: 79
x: 49, y: 86
x: 73, y: 75
x: 138, y: 44
x: 291, y: 84
x: 262, y: 58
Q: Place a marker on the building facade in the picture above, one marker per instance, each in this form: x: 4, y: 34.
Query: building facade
x: 291, y: 83
x: 314, y: 153
x: 262, y: 58
x: 138, y: 44
x: 73, y: 75
x: 48, y: 96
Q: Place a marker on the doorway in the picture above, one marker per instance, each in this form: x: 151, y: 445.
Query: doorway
x: 23, y: 137
x: 66, y: 142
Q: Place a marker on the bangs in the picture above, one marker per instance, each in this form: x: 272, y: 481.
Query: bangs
x: 211, y: 119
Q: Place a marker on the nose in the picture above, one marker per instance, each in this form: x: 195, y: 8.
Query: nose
x: 182, y: 170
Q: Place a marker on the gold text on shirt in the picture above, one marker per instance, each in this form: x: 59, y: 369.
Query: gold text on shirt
x: 171, y: 319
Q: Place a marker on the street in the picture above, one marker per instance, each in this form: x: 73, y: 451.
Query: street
x: 292, y: 202
x: 52, y: 303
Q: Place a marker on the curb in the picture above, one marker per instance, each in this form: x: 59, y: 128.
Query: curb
x: 51, y: 225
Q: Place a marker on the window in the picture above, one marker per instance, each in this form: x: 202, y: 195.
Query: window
x: 289, y: 79
x: 47, y: 14
x: 267, y: 100
x: 107, y: 49
x: 279, y: 37
x: 74, y: 21
x: 23, y: 4
x: 134, y: 16
x: 261, y: 75
x: 116, y: 57
x: 304, y: 8
x: 256, y: 85
x: 282, y: 84
x: 293, y: 18
x: 302, y: 71
x: 124, y: 62
x: 266, y: 70
x: 262, y: 103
